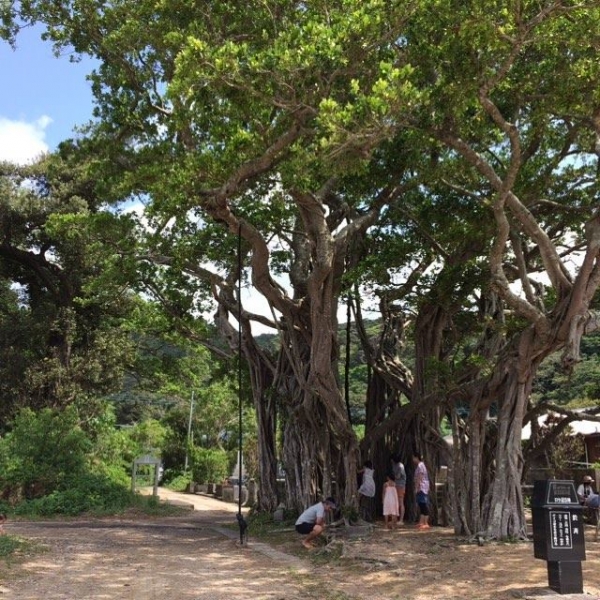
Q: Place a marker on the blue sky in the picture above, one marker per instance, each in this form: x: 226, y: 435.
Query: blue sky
x: 43, y: 98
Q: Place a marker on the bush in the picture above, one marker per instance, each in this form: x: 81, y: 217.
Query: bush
x: 95, y: 493
x: 169, y: 475
x: 41, y: 453
x: 47, y: 468
x: 209, y: 466
x: 179, y: 483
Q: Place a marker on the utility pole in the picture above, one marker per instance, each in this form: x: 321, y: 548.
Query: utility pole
x: 189, y: 433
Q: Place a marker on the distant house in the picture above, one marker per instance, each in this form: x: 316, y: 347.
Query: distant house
x: 589, y: 430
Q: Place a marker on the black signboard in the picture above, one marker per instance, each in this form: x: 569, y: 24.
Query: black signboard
x: 558, y: 533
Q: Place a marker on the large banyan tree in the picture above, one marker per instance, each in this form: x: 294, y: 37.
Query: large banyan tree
x: 301, y: 128
x: 509, y: 99
x: 522, y: 117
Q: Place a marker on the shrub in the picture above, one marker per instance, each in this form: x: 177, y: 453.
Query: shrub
x: 179, y: 483
x: 42, y: 451
x: 209, y: 465
x: 48, y: 467
x: 95, y: 493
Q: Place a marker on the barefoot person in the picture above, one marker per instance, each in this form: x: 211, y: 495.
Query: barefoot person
x: 312, y: 521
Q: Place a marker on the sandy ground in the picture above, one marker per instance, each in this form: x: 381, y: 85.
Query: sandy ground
x: 197, y: 556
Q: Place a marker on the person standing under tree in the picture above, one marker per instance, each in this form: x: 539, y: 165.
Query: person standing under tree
x: 390, y: 502
x: 400, y: 479
x: 421, y: 482
x: 366, y: 491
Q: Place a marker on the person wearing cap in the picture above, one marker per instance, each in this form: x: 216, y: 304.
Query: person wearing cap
x: 312, y: 521
x: 585, y: 489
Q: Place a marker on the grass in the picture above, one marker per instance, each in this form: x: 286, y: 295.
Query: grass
x: 262, y: 525
x: 12, y: 546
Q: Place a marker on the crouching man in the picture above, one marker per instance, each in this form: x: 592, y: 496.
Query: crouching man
x: 311, y: 522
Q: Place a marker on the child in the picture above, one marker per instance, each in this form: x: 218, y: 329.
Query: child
x: 391, y: 511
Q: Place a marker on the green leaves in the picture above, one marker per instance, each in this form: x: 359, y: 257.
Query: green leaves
x: 46, y: 449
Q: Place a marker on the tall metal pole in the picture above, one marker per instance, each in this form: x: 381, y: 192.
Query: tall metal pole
x: 239, y: 250
x: 189, y: 432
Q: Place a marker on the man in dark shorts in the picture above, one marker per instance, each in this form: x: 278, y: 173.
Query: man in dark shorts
x: 312, y: 521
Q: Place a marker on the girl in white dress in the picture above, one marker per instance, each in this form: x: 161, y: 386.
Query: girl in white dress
x: 391, y: 510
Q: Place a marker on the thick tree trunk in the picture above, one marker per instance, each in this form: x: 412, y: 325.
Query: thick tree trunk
x: 319, y: 447
x: 318, y: 436
x: 305, y: 457
x: 503, y: 511
x: 414, y: 426
x: 503, y: 514
x: 266, y: 419
x: 488, y: 460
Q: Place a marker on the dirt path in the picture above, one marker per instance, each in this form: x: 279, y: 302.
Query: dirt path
x: 196, y: 556
x: 175, y: 558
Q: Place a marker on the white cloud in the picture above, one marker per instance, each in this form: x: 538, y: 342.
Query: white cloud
x: 22, y: 142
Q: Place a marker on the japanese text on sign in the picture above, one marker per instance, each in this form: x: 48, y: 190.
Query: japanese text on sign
x: 560, y: 526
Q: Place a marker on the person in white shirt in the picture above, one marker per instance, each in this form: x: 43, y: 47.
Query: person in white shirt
x: 366, y: 491
x: 312, y: 521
